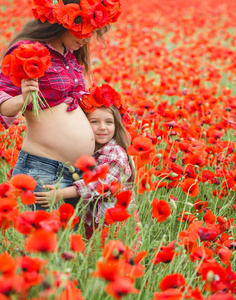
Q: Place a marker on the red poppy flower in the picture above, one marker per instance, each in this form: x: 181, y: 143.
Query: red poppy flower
x: 222, y: 296
x: 99, y: 172
x: 165, y: 256
x: 97, y: 15
x: 85, y: 163
x: 71, y: 293
x: 121, y: 287
x: 194, y: 159
x: 201, y: 253
x: 41, y: 241
x: 7, y: 65
x: 8, y: 212
x: 142, y: 147
x: 160, y: 210
x: 190, y: 187
x: 4, y: 188
x: 123, y: 199
x: 189, y: 236
x: 113, y: 10
x: 113, y: 188
x: 208, y: 176
x: 7, y: 264
x: 113, y: 250
x: 66, y: 212
x: 108, y: 270
x: 209, y: 217
x: 115, y: 214
x: 190, y: 172
x: 171, y: 294
x: 34, y: 67
x: 176, y: 281
x: 108, y: 96
x: 186, y: 217
x: 72, y: 17
x: 30, y: 270
x: 215, y: 276
x: 23, y: 181
x: 43, y: 10
x: 225, y: 255
x: 199, y: 206
x: 208, y: 234
x: 77, y: 243
x: 171, y: 126
x: 144, y: 179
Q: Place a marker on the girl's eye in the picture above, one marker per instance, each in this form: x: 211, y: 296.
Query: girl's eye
x: 93, y: 122
x: 109, y: 122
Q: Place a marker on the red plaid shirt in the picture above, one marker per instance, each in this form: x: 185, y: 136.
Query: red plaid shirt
x: 119, y: 170
x: 63, y: 82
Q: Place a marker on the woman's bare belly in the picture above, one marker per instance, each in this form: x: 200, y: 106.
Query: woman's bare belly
x: 59, y: 135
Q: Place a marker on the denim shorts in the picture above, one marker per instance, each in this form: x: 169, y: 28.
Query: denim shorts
x: 45, y: 171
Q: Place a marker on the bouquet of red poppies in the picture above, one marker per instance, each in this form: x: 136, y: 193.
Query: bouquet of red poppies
x: 26, y: 62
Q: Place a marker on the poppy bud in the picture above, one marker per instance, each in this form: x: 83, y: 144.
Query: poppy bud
x: 139, y: 225
x: 189, y: 204
x: 181, y: 248
x: 159, y: 155
x: 187, y: 213
x: 172, y: 174
x: 225, y: 219
x: 159, y: 138
x: 173, y: 204
x: 164, y: 241
x: 63, y: 278
x: 68, y: 270
x: 80, y: 255
x: 153, y: 177
x: 210, y: 276
x: 71, y: 169
x: 68, y: 255
x: 147, y: 186
x: 75, y: 176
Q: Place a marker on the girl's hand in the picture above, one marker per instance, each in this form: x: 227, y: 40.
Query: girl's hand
x: 28, y: 85
x: 46, y: 198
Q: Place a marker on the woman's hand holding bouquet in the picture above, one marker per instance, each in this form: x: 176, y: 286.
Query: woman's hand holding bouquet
x: 24, y: 66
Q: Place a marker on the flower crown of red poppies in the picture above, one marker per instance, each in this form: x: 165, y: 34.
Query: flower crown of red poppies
x: 104, y: 95
x: 81, y: 19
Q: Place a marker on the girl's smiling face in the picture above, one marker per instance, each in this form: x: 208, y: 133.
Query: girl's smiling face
x: 103, y: 125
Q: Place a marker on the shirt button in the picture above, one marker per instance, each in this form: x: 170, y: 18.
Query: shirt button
x: 76, y: 80
x: 67, y: 67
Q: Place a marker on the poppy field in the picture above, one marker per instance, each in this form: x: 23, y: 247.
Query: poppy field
x: 174, y: 63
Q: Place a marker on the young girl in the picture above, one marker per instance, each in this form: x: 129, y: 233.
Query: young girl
x: 111, y: 142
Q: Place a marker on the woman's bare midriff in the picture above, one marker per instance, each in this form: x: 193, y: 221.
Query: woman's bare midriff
x: 59, y: 135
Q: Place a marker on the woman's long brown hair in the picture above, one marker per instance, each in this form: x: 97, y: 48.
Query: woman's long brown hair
x: 35, y: 30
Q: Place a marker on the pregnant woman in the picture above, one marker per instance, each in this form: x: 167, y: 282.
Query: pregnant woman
x: 63, y: 133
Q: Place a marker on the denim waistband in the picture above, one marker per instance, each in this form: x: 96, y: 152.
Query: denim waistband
x: 52, y: 165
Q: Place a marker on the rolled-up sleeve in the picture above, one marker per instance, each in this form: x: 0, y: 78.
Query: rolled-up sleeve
x: 4, y: 120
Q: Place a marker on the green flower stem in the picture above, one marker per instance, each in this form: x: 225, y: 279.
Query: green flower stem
x: 37, y: 102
